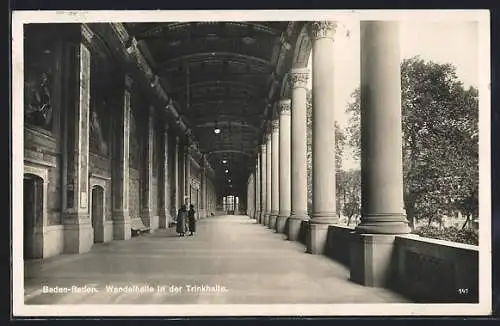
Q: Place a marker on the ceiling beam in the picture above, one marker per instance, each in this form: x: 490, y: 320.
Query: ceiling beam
x: 228, y: 124
x: 161, y: 27
x: 211, y: 154
x: 202, y: 56
x: 241, y: 85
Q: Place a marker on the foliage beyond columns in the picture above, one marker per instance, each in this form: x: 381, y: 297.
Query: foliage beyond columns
x: 440, y: 141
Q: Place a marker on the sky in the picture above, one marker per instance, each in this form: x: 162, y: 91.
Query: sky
x: 454, y: 42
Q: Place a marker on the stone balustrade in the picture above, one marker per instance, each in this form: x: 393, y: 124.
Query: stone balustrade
x: 423, y: 269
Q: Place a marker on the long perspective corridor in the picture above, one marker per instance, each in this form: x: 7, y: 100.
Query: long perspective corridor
x: 231, y: 257
x: 129, y: 125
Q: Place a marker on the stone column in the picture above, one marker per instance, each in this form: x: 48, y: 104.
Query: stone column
x: 257, y: 189
x: 263, y: 182
x: 254, y: 195
x: 275, y: 174
x: 78, y: 231
x: 203, y: 190
x: 284, y: 166
x: 176, y: 178
x: 164, y: 183
x: 187, y: 178
x: 323, y: 136
x: 248, y: 195
x: 182, y: 173
x: 298, y: 82
x: 147, y: 172
x: 382, y: 207
x: 269, y: 180
x: 249, y: 204
x: 120, y: 173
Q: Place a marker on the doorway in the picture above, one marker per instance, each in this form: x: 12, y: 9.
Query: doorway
x: 97, y: 213
x: 33, y: 213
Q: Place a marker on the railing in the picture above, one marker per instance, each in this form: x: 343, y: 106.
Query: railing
x: 436, y: 270
x: 422, y: 269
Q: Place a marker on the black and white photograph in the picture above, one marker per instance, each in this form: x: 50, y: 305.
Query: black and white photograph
x: 251, y: 163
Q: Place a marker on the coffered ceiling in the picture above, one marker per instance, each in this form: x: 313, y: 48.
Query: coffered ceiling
x: 222, y: 75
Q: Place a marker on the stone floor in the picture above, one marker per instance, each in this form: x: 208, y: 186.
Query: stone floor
x: 241, y: 261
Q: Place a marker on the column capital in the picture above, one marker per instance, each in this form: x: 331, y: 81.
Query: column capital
x: 322, y: 29
x: 129, y: 82
x: 298, y: 77
x: 275, y: 125
x: 284, y: 106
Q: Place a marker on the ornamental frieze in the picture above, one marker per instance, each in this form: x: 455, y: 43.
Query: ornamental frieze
x: 284, y: 106
x: 275, y: 125
x: 322, y: 29
x: 298, y: 78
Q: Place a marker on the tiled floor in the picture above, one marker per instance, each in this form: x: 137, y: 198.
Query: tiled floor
x: 242, y: 262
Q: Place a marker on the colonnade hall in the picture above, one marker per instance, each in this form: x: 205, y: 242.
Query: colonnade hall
x: 127, y: 123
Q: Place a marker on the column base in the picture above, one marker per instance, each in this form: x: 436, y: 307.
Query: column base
x: 316, y: 238
x: 294, y: 226
x: 164, y: 220
x: 262, y: 218
x: 272, y: 220
x: 79, y: 237
x: 383, y: 224
x: 265, y: 221
x: 122, y: 229
x: 154, y: 222
x: 281, y: 223
x: 371, y: 259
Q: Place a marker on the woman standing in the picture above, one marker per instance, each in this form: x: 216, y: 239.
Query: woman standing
x: 191, y: 219
x: 181, y: 221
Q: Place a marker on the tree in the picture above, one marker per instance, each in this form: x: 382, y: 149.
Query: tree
x: 349, y: 193
x: 440, y: 140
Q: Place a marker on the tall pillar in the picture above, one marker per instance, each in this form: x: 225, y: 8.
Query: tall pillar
x: 382, y: 207
x: 257, y: 189
x: 263, y: 182
x: 275, y: 176
x: 203, y: 190
x: 249, y: 185
x: 147, y: 172
x: 182, y: 173
x: 253, y: 195
x: 298, y: 83
x: 164, y: 182
x: 269, y: 180
x: 176, y: 182
x: 78, y: 232
x: 285, y: 194
x: 249, y: 203
x: 120, y: 173
x: 187, y: 178
x: 323, y: 136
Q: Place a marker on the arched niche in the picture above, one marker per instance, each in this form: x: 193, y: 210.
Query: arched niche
x: 35, y: 185
x: 99, y: 190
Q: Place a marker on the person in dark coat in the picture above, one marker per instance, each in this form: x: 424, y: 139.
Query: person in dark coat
x: 181, y: 221
x: 191, y: 219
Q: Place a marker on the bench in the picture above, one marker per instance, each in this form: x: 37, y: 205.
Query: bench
x: 138, y: 227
